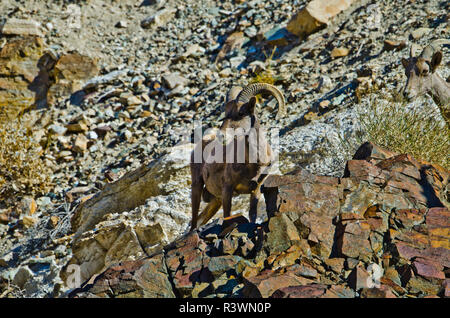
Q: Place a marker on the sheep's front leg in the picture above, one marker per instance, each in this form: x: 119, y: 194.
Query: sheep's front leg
x: 196, y: 195
x: 255, y: 196
x: 227, y: 194
x: 254, y: 199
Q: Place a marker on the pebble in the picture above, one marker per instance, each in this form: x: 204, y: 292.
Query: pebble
x: 57, y: 129
x: 121, y: 24
x: 339, y: 52
x: 28, y: 206
x: 172, y: 80
x: 420, y: 32
x: 28, y: 221
x: 92, y: 135
x: 80, y: 144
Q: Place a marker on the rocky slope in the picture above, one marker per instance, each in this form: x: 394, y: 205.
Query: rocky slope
x: 117, y: 87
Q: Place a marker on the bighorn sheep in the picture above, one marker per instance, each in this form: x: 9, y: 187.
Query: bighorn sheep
x: 219, y: 174
x: 422, y: 78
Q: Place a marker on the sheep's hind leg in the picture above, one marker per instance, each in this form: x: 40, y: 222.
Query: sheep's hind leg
x: 227, y: 195
x: 209, y: 211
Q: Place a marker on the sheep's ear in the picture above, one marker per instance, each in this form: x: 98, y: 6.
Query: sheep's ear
x: 229, y: 107
x: 248, y: 108
x: 436, y: 60
x: 251, y: 105
x: 404, y: 62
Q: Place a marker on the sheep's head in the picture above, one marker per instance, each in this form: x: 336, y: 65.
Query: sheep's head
x: 420, y: 70
x: 240, y: 105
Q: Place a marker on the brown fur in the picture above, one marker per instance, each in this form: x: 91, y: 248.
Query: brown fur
x: 422, y: 78
x: 217, y: 183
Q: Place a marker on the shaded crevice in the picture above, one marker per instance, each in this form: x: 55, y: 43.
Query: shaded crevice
x: 432, y: 200
x: 169, y: 276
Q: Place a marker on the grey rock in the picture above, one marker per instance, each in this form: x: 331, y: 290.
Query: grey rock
x: 22, y: 276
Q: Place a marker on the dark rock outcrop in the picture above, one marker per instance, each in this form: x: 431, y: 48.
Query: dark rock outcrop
x: 380, y: 231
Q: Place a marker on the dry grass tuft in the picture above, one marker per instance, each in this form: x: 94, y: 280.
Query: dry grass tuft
x: 22, y: 171
x: 266, y: 75
x: 388, y: 122
x: 385, y: 118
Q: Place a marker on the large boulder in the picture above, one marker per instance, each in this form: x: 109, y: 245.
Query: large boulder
x: 31, y: 74
x: 19, y: 67
x: 316, y: 15
x: 135, y: 216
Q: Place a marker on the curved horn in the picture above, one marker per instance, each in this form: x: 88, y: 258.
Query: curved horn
x: 413, y: 50
x: 254, y: 89
x: 233, y: 93
x: 431, y: 48
x: 427, y: 52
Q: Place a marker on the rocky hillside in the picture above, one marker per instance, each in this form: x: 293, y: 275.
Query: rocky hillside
x: 109, y: 91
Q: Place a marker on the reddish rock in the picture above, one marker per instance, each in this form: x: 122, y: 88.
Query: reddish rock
x: 438, y: 217
x: 372, y: 153
x: 353, y: 242
x: 187, y: 263
x: 266, y: 283
x: 387, y: 208
x: 338, y: 291
x: 366, y: 171
x: 446, y: 286
x: 404, y: 164
x: 382, y: 292
x: 335, y: 264
x: 409, y: 217
x: 359, y: 278
x: 315, y: 199
x: 408, y: 252
x: 428, y: 268
x: 143, y: 278
x: 438, y: 225
x: 307, y: 291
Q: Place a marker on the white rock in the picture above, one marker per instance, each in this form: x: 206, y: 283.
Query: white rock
x: 15, y: 26
x: 159, y: 18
